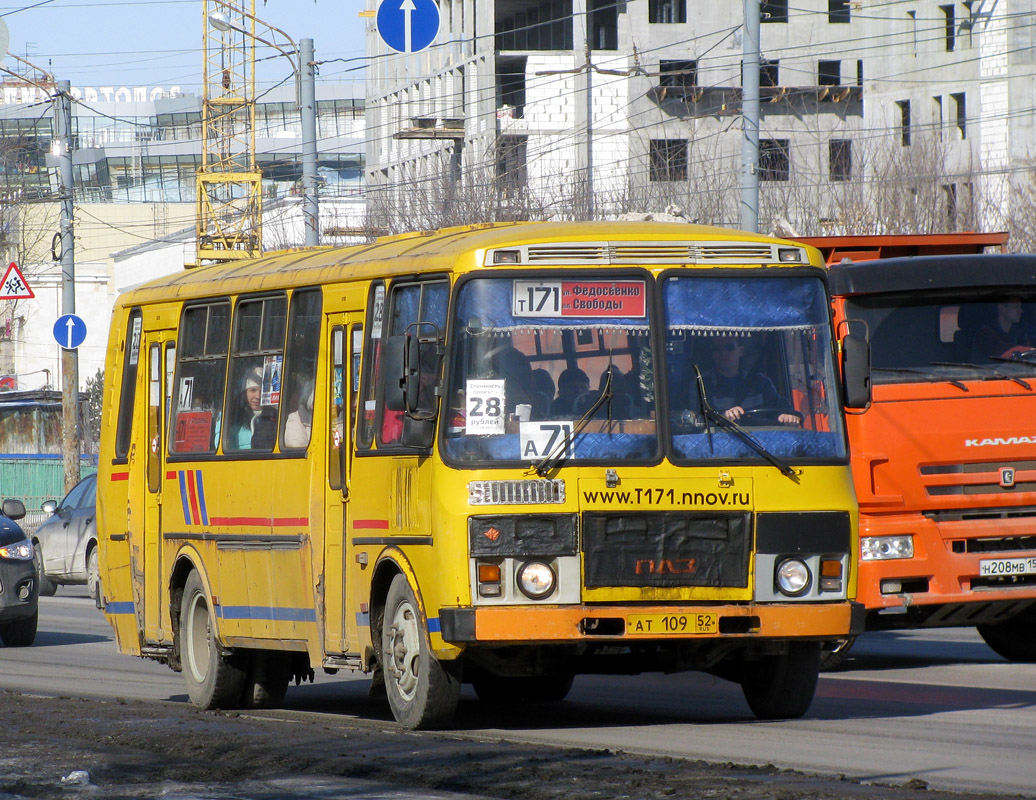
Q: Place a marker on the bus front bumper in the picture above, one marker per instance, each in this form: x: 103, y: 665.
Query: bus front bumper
x: 556, y: 624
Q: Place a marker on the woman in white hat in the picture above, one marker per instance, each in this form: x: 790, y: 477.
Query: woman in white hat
x: 241, y: 434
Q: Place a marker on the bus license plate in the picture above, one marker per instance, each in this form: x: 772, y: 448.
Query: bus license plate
x: 992, y: 567
x: 670, y: 624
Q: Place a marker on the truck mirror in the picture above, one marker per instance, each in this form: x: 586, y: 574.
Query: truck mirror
x: 856, y: 371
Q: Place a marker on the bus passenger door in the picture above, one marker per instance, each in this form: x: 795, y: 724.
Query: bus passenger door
x: 343, y: 380
x: 161, y: 358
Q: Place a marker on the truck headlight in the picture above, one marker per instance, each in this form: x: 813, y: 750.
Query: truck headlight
x: 793, y: 577
x: 881, y: 548
x: 537, y: 579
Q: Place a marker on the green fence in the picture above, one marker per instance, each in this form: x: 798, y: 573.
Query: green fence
x: 35, y: 479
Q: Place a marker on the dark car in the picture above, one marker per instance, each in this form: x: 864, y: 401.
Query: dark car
x: 66, y: 542
x: 19, y: 587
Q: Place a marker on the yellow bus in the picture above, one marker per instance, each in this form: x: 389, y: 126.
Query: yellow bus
x: 501, y: 455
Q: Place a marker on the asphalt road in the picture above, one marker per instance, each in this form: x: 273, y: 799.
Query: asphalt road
x: 937, y: 706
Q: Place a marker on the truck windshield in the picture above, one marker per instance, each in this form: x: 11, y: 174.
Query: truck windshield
x: 552, y: 370
x: 950, y: 336
x: 757, y: 351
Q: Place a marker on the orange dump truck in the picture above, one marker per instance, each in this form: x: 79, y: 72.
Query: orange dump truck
x: 944, y: 458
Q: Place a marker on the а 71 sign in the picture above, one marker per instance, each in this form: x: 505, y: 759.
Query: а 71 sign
x: 408, y: 26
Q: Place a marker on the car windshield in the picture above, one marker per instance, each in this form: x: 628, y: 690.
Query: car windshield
x: 755, y: 352
x: 952, y: 336
x: 551, y: 370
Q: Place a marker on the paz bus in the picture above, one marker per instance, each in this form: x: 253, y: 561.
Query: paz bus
x: 487, y: 455
x: 944, y: 460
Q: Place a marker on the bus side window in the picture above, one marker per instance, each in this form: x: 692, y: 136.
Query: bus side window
x: 130, y: 361
x: 372, y: 366
x: 256, y: 370
x: 197, y: 394
x: 300, y: 369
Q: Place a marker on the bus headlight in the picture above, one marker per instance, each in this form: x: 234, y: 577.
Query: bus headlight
x: 793, y: 577
x: 881, y: 548
x: 537, y: 579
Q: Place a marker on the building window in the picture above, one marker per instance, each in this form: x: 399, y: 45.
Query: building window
x: 511, y: 170
x: 768, y: 72
x: 678, y: 73
x: 773, y: 11
x: 950, y: 190
x: 773, y: 160
x: 962, y: 114
x: 829, y: 73
x: 951, y: 28
x: 937, y: 116
x: 667, y: 11
x: 604, y: 25
x: 840, y: 159
x: 904, y: 122
x: 668, y: 159
x: 837, y: 11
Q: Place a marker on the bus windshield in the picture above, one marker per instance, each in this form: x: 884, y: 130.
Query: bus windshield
x: 949, y: 336
x: 549, y: 370
x: 755, y: 352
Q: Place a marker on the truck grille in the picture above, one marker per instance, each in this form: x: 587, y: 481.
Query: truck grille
x: 979, y: 478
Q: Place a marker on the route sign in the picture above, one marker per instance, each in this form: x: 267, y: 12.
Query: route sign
x: 69, y: 331
x: 408, y: 26
x: 14, y: 286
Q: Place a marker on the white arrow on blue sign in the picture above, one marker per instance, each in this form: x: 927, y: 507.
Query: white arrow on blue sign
x: 408, y: 26
x: 69, y: 331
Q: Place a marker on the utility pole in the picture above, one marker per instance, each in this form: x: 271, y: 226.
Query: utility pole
x: 308, y: 109
x: 62, y: 105
x: 589, y: 127
x: 750, y: 118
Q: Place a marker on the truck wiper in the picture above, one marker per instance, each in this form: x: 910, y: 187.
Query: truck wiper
x: 985, y: 368
x: 926, y: 374
x: 557, y: 454
x: 713, y: 415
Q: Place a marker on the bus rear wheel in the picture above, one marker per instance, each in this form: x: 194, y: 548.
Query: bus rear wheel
x: 782, y: 686
x: 1013, y: 639
x: 269, y: 672
x: 422, y: 693
x: 212, y: 679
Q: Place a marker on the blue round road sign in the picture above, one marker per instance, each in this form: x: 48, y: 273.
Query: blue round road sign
x: 408, y: 26
x: 69, y: 331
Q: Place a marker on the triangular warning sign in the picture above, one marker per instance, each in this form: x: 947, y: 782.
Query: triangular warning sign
x: 14, y: 286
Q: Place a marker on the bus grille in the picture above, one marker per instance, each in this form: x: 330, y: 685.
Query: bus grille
x: 666, y: 549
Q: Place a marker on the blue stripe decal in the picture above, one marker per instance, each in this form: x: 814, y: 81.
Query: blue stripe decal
x: 201, y: 497
x: 125, y: 607
x: 434, y: 626
x: 183, y: 498
x: 363, y: 619
x: 275, y: 613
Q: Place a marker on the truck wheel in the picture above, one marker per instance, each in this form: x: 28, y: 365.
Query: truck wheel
x: 93, y: 576
x: 782, y: 686
x: 836, y: 656
x: 213, y: 680
x: 1014, y: 639
x: 422, y: 693
x: 268, y: 674
x: 47, y: 587
x: 20, y: 632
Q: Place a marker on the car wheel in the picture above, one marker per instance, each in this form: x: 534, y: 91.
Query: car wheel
x: 20, y: 632
x: 212, y: 679
x: 47, y: 587
x: 93, y: 575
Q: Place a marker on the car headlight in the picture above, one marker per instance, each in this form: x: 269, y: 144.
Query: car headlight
x: 19, y: 551
x: 793, y: 577
x: 880, y: 548
x: 536, y: 579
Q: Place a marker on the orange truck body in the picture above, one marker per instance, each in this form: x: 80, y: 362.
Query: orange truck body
x: 948, y: 460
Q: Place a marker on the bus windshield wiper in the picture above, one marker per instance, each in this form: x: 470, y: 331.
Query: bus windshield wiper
x: 927, y: 374
x: 713, y: 415
x: 557, y: 454
x: 987, y: 369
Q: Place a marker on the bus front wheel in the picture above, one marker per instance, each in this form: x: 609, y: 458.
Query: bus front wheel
x: 213, y: 680
x: 782, y: 686
x: 422, y: 693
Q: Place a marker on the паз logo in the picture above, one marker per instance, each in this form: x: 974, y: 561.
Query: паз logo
x: 1007, y: 477
x: 665, y: 566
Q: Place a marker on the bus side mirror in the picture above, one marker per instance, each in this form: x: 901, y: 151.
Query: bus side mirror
x: 856, y: 371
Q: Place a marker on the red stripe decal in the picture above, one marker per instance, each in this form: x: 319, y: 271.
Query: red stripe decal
x: 193, y: 494
x: 170, y: 476
x: 370, y: 524
x: 120, y: 476
x: 263, y: 522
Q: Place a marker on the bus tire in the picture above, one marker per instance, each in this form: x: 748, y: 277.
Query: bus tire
x: 782, y: 686
x: 838, y: 654
x: 1013, y: 639
x: 422, y: 693
x: 212, y: 679
x: 268, y: 674
x: 20, y: 632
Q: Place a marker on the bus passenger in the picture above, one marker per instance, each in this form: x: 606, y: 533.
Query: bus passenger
x: 299, y: 424
x: 735, y: 391
x: 572, y: 382
x: 248, y: 411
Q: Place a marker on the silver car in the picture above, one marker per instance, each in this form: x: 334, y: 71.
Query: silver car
x: 66, y: 543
